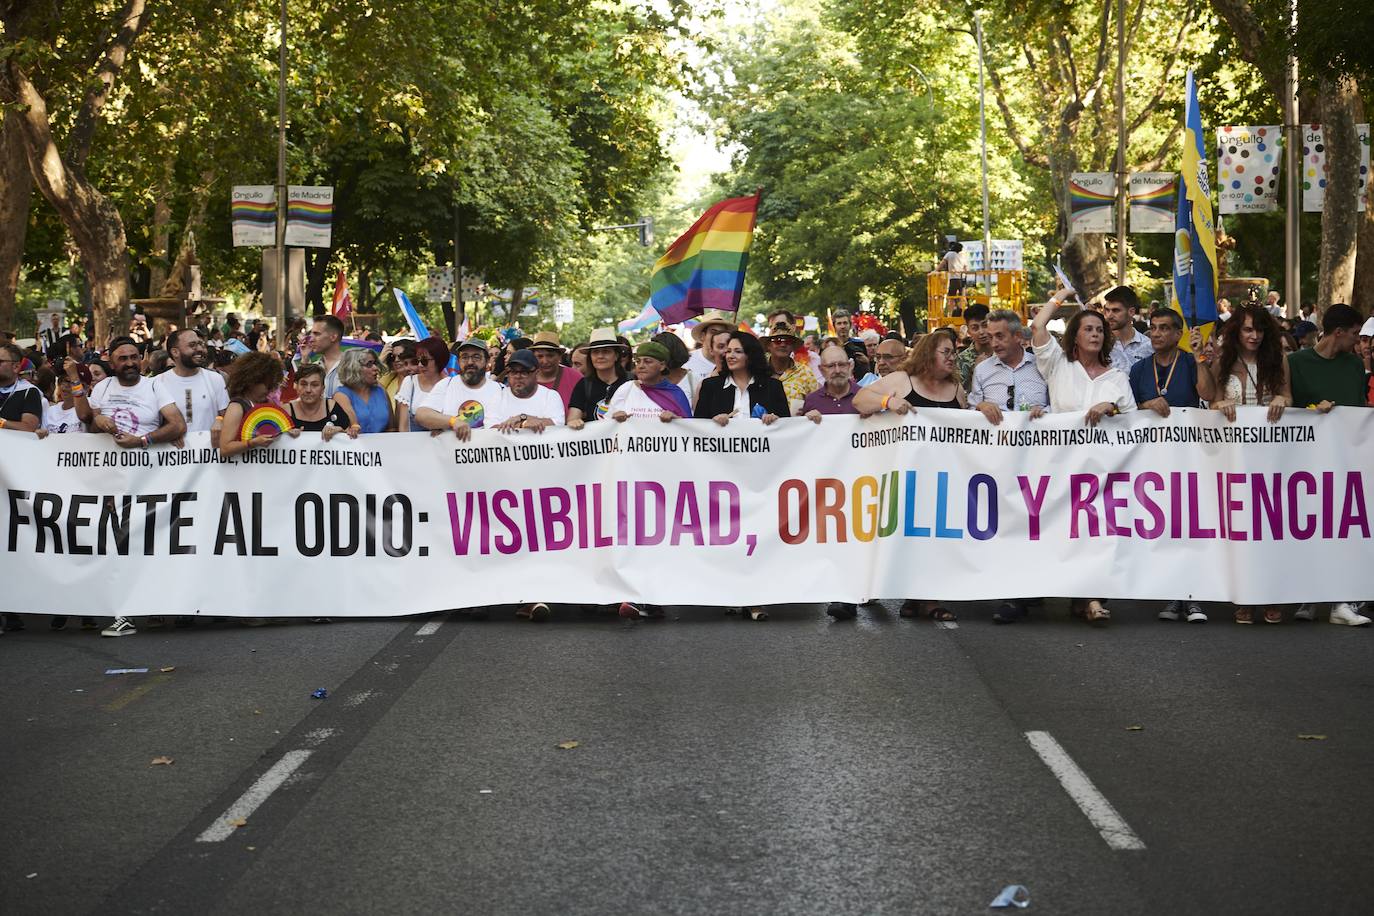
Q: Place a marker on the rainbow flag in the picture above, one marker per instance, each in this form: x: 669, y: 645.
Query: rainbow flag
x: 646, y: 319
x: 309, y: 212
x: 704, y: 268
x: 262, y: 213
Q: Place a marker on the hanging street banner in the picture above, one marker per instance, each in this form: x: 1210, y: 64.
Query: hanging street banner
x: 253, y: 214
x: 1152, y: 201
x: 1092, y: 202
x: 309, y: 216
x: 1248, y: 161
x: 1314, y: 167
x: 939, y: 504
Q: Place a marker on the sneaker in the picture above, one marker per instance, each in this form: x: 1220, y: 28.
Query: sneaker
x: 842, y: 611
x: 629, y: 611
x: 1171, y: 612
x: 122, y: 626
x: 910, y: 608
x: 14, y: 622
x: 1305, y: 612
x: 57, y: 623
x: 1344, y: 614
x: 1009, y: 612
x: 539, y: 612
x: 1195, y: 614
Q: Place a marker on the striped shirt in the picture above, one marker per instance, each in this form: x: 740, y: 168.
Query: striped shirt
x: 1010, y: 389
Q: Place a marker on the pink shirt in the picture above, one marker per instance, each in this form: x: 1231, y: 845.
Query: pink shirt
x: 567, y: 380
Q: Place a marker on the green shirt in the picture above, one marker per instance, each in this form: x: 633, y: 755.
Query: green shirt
x: 1339, y: 379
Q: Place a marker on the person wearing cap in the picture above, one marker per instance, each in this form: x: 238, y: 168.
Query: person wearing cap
x: 592, y: 396
x: 525, y: 404
x: 548, y: 352
x: 650, y: 394
x: 744, y: 388
x: 705, y: 361
x: 469, y: 398
x: 798, y: 380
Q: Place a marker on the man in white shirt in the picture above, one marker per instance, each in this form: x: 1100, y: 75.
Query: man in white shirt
x: 197, y: 393
x: 1128, y: 345
x: 525, y: 404
x: 467, y: 400
x: 326, y: 340
x: 705, y: 360
x: 129, y: 407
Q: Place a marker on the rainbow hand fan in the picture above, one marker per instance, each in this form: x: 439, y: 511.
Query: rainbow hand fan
x: 264, y: 420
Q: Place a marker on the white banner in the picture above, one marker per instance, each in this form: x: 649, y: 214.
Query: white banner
x: 939, y: 505
x: 309, y: 216
x: 1314, y: 167
x: 253, y: 214
x: 1092, y: 202
x: 1153, y: 196
x: 1248, y: 161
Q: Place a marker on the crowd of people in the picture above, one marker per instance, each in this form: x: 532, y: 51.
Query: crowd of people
x: 1110, y: 358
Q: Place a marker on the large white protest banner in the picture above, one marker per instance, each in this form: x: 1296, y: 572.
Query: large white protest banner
x: 938, y: 505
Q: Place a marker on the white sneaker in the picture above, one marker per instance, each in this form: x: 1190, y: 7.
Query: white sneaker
x: 1170, y: 612
x: 1305, y: 612
x: 123, y: 627
x: 1195, y: 614
x: 1344, y: 613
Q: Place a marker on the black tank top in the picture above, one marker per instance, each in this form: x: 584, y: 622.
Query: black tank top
x: 915, y: 400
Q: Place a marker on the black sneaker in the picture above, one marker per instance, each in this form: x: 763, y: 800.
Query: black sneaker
x: 842, y: 611
x: 1009, y: 612
x: 57, y: 623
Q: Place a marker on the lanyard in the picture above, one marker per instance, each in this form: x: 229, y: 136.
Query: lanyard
x: 1168, y: 378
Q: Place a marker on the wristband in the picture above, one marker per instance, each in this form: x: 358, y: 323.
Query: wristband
x: 145, y: 441
x: 453, y: 422
x: 886, y: 398
x: 2, y: 424
x: 79, y: 390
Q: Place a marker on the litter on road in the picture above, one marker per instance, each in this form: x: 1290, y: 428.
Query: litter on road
x: 1012, y: 895
x: 126, y: 670
x: 320, y: 693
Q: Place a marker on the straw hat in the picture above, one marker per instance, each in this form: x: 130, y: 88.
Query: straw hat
x: 602, y: 338
x: 712, y: 318
x: 546, y: 340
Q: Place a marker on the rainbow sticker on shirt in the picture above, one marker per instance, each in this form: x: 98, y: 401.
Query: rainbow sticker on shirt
x: 472, y: 413
x: 603, y: 407
x: 264, y: 420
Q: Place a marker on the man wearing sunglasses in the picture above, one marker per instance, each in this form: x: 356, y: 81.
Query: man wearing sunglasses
x: 525, y: 404
x: 21, y: 404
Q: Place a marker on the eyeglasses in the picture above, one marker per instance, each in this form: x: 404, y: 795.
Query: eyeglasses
x: 518, y: 370
x: 424, y: 362
x: 844, y: 365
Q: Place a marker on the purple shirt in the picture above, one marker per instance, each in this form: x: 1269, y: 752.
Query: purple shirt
x: 821, y: 401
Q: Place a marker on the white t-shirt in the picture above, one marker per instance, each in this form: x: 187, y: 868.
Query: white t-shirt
x: 136, y: 410
x: 629, y: 398
x: 545, y: 402
x: 474, y: 405
x: 414, y: 397
x: 700, y: 366
x: 1070, y: 387
x: 200, y: 397
x: 59, y: 419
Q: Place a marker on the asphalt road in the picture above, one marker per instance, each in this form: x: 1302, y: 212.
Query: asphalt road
x: 801, y: 765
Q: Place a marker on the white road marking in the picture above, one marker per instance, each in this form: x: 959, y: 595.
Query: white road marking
x: 1090, y: 801
x: 318, y: 736
x: 359, y: 699
x: 946, y: 625
x: 430, y: 628
x: 251, y: 800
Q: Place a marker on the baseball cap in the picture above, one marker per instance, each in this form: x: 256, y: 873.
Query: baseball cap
x: 523, y: 358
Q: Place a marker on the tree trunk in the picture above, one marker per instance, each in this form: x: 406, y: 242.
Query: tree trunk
x: 1340, y: 214
x: 316, y: 273
x: 16, y: 191
x: 161, y: 232
x: 1087, y: 265
x: 1362, y: 295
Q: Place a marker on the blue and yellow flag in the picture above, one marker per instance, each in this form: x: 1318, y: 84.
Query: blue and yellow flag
x: 1195, y: 237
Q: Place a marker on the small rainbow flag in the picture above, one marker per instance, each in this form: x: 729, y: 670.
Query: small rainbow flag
x: 704, y: 269
x: 646, y: 319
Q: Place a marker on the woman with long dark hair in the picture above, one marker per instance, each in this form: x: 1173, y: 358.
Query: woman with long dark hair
x: 1250, y: 369
x: 431, y: 359
x: 744, y: 388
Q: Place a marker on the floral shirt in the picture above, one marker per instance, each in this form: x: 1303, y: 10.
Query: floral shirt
x: 964, y: 362
x: 797, y: 383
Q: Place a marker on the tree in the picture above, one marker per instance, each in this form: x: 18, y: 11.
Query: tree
x: 60, y: 171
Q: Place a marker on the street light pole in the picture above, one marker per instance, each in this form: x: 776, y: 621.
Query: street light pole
x: 1292, y: 154
x: 1121, y: 177
x: 983, y: 131
x: 279, y: 312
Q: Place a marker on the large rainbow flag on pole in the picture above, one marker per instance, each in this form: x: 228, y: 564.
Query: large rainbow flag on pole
x: 704, y: 269
x: 1195, y: 239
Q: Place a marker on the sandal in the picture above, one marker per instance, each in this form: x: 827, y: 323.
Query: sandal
x: 756, y: 613
x: 910, y: 608
x: 1273, y: 615
x: 1096, y: 613
x: 942, y: 614
x: 1244, y: 615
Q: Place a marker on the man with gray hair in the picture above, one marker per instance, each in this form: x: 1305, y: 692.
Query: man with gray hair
x: 1007, y: 380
